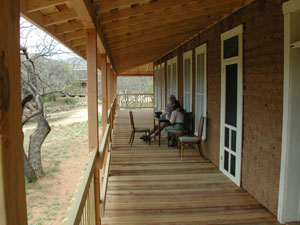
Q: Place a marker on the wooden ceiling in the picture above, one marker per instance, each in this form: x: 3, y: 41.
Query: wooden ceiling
x: 131, y: 32
x: 143, y: 70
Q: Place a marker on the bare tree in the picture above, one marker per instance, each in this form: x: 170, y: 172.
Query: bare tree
x: 40, y: 77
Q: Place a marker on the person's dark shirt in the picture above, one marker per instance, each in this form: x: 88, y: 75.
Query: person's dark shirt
x: 169, y: 108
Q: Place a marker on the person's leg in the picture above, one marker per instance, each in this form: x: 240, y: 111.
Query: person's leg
x: 162, y: 126
x: 168, y: 128
x: 154, y: 129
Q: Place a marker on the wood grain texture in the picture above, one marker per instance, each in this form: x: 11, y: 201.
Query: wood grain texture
x: 12, y: 182
x: 152, y: 185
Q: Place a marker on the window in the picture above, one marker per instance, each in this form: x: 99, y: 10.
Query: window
x: 156, y: 86
x: 159, y: 88
x: 169, y: 72
x: 187, y: 81
x: 172, y: 77
x: 163, y: 82
x: 201, y: 89
x: 159, y: 76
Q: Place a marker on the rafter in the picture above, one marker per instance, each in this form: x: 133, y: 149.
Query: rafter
x: 150, y: 40
x: 176, y: 13
x: 87, y: 14
x: 35, y: 5
x: 176, y: 21
x: 69, y: 27
x: 60, y: 17
x: 107, y: 5
x: 168, y: 43
x: 75, y: 35
x: 78, y: 42
x: 141, y: 9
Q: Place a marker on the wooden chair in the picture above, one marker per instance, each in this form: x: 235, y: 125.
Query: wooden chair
x: 134, y: 129
x: 192, y: 140
x: 177, y: 133
x: 186, y: 129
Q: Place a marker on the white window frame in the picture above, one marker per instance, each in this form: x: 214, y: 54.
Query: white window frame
x: 159, y: 87
x: 163, y: 85
x: 202, y: 49
x: 188, y: 55
x: 175, y: 75
x: 239, y: 128
x: 155, y: 87
x: 170, y: 78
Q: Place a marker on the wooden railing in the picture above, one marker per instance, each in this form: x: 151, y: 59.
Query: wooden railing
x: 82, y: 209
x: 135, y: 101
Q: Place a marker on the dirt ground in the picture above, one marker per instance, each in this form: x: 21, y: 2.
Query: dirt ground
x: 78, y: 115
x: 64, y: 155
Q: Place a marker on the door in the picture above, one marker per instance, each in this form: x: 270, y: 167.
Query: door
x: 231, y: 104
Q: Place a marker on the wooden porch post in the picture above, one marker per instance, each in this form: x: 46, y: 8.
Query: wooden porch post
x: 12, y: 182
x: 91, y: 52
x: 92, y: 89
x: 108, y: 71
x: 104, y: 91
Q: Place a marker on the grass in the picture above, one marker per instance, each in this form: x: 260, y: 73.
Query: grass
x: 61, y: 145
x: 56, y: 148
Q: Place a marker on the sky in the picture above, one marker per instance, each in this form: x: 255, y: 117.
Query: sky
x: 31, y: 37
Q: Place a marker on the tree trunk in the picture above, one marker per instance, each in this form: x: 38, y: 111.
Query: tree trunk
x: 35, y: 143
x: 29, y: 172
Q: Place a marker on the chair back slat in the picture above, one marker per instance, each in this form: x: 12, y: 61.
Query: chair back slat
x: 131, y: 119
x: 200, y: 130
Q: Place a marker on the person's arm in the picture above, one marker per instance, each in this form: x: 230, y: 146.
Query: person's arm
x: 173, y: 117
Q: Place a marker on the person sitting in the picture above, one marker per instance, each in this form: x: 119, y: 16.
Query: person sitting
x: 176, y: 121
x: 155, y: 131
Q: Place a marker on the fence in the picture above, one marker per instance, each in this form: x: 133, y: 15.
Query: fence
x: 135, y: 101
x: 85, y: 202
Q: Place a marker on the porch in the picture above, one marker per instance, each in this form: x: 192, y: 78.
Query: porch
x: 199, y: 50
x: 152, y: 185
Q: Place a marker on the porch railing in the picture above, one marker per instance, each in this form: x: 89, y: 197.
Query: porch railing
x: 83, y: 206
x: 135, y: 101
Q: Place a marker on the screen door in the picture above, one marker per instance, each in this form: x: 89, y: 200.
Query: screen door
x: 231, y: 105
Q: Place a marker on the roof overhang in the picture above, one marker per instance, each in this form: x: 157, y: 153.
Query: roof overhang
x: 130, y: 32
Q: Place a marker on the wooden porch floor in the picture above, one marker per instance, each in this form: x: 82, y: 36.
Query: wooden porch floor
x: 151, y: 185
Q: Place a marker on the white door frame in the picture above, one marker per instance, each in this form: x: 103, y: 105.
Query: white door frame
x: 202, y: 49
x: 188, y: 55
x: 239, y: 129
x: 285, y: 214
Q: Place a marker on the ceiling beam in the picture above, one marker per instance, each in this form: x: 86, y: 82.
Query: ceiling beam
x: 173, y: 13
x: 35, y: 5
x: 75, y: 35
x: 37, y: 18
x: 60, y: 17
x: 69, y: 27
x: 78, y: 42
x: 108, y: 5
x: 153, y: 39
x: 202, y: 19
x: 140, y: 9
x: 88, y: 16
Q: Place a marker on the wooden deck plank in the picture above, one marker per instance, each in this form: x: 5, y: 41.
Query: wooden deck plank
x: 152, y: 185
